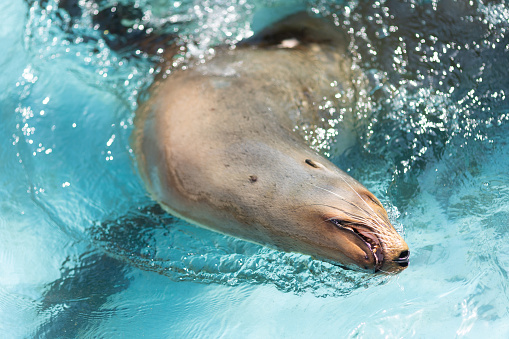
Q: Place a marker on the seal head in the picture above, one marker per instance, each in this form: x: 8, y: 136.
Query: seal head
x: 216, y: 145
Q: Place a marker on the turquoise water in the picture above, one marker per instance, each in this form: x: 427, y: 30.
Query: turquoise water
x: 85, y: 253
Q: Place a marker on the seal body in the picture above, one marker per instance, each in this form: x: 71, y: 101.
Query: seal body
x: 217, y: 145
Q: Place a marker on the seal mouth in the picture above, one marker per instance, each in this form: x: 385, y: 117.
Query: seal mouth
x: 367, y: 236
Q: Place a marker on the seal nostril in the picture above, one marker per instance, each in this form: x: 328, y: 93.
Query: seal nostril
x: 404, y: 255
x: 403, y: 258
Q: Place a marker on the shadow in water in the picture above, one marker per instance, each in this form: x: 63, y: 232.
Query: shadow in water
x: 75, y: 301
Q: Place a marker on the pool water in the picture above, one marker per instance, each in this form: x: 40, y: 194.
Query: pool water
x: 84, y: 253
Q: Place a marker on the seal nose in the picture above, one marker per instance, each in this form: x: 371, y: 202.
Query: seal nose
x: 403, y: 259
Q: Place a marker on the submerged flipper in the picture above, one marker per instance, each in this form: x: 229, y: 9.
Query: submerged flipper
x: 120, y: 25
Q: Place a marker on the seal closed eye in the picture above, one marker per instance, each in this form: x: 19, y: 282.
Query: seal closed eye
x: 215, y: 145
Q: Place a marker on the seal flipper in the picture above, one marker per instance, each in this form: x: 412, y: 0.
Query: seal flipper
x: 301, y: 28
x: 124, y: 30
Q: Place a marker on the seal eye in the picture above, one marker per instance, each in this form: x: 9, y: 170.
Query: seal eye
x: 312, y: 163
x: 373, y: 199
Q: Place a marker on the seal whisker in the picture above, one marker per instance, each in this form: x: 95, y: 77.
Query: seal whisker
x: 376, y: 220
x: 360, y: 197
x: 381, y: 236
x: 329, y: 191
x: 379, y: 223
x: 357, y: 218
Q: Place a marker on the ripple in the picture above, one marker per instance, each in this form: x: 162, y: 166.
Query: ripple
x: 155, y: 241
x: 430, y: 130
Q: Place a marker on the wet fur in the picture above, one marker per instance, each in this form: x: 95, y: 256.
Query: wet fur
x: 206, y: 132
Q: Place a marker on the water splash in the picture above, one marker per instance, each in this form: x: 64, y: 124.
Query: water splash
x: 152, y: 240
x: 433, y: 91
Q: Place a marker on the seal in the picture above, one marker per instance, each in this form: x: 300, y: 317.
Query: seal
x: 217, y: 145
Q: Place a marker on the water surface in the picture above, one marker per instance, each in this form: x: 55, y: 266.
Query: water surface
x: 85, y: 253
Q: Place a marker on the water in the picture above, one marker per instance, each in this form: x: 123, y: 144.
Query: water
x: 84, y: 252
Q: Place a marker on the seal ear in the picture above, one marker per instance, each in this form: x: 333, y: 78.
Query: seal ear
x: 301, y: 27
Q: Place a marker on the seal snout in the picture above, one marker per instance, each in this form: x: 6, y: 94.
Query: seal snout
x: 397, y: 260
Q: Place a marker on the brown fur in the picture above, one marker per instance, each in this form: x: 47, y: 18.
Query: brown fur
x: 207, y: 131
